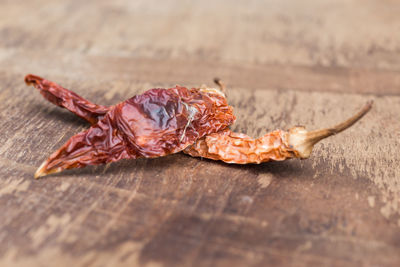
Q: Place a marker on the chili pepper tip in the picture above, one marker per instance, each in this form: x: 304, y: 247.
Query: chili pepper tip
x: 40, y: 172
x: 43, y: 170
x: 30, y: 79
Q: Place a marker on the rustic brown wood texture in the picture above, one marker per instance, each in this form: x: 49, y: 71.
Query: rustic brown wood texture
x: 285, y: 62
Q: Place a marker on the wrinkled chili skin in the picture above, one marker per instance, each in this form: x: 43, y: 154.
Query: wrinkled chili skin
x: 101, y: 143
x: 278, y: 145
x: 239, y: 148
x: 156, y: 123
x: 65, y: 98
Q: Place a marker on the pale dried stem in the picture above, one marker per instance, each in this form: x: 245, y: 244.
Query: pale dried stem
x: 316, y: 136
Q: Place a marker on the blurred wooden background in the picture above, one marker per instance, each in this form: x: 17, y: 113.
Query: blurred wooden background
x: 285, y: 62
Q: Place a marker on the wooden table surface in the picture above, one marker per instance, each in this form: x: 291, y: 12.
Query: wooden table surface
x: 286, y: 63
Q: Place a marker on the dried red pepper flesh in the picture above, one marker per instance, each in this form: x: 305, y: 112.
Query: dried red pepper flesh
x: 156, y: 123
x: 278, y: 145
x: 67, y: 99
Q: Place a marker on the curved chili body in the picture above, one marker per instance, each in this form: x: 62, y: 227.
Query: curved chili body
x: 156, y: 123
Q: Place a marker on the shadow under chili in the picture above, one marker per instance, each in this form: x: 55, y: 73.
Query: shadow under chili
x: 279, y: 169
x: 61, y: 115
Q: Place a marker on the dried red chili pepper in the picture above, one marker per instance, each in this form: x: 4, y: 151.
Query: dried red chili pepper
x: 278, y: 145
x: 224, y: 145
x: 156, y: 123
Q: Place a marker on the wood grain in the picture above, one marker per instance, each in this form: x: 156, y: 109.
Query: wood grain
x: 286, y: 63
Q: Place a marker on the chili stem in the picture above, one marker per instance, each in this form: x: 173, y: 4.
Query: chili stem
x: 303, y: 141
x: 316, y: 136
x: 221, y: 84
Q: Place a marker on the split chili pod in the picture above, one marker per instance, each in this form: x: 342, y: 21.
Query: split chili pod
x: 154, y: 124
